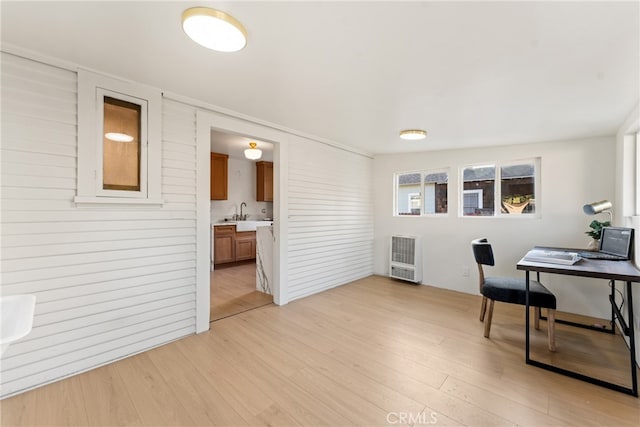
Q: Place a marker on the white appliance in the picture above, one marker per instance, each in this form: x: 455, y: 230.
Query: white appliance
x: 405, y: 258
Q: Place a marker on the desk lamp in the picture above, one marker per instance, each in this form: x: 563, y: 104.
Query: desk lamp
x: 599, y: 207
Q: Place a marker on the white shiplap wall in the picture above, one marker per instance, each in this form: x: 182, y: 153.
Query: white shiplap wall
x: 330, y: 212
x: 109, y: 282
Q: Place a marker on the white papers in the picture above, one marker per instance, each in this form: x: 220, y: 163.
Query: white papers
x: 553, y: 257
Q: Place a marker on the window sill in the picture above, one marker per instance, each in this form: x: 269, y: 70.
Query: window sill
x: 93, y: 201
x: 435, y: 215
x: 503, y: 216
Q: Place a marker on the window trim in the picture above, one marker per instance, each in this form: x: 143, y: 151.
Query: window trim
x: 497, y: 211
x: 91, y: 90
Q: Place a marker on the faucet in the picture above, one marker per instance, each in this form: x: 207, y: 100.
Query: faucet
x: 245, y: 205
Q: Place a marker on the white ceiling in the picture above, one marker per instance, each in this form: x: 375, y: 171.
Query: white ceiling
x: 357, y: 73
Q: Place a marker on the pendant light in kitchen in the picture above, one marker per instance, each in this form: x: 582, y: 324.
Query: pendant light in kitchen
x: 253, y: 153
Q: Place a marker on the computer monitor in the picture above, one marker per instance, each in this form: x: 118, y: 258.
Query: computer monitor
x: 616, y: 241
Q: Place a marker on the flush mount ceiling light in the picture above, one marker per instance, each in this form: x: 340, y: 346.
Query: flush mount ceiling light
x: 413, y: 134
x: 253, y: 153
x: 118, y: 137
x: 214, y: 29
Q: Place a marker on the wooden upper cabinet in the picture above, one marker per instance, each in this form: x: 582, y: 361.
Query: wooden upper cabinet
x: 219, y: 176
x: 264, y: 181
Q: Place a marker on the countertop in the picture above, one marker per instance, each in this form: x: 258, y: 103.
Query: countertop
x: 216, y: 224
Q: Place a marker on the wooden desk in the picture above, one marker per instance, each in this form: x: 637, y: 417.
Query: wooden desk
x: 624, y: 271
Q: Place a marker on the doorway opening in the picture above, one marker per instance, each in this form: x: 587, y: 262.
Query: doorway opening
x: 233, y: 290
x: 241, y: 215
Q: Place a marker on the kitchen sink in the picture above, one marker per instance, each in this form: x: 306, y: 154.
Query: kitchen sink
x: 251, y: 225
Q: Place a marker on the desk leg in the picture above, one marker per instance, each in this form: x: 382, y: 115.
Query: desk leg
x: 633, y: 390
x: 632, y: 341
x: 526, y: 305
x: 612, y: 326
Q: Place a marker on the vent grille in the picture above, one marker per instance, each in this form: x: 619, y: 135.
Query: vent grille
x: 405, y: 258
x: 403, y: 273
x: 403, y: 250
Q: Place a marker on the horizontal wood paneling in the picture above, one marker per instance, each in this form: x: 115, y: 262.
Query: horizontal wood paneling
x: 93, y: 247
x: 109, y: 280
x: 128, y: 316
x: 93, y: 236
x: 330, y: 238
x: 54, y: 228
x: 76, y: 275
x: 108, y: 214
x: 76, y: 339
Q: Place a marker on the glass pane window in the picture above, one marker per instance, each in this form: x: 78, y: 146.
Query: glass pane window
x: 478, y: 193
x: 421, y: 193
x: 435, y: 192
x: 517, y: 189
x: 408, y: 193
x: 121, y: 145
x: 501, y: 189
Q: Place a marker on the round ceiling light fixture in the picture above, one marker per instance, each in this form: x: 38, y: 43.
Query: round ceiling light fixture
x: 214, y: 29
x: 118, y: 137
x: 413, y: 134
x: 253, y: 153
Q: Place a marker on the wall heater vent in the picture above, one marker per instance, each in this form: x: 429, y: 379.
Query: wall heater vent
x: 406, y: 258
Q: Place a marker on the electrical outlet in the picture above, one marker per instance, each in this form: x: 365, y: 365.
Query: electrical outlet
x: 465, y: 271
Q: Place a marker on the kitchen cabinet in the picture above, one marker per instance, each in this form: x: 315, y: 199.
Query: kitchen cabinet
x: 264, y: 181
x: 219, y: 176
x: 232, y: 246
x: 245, y: 245
x: 224, y: 249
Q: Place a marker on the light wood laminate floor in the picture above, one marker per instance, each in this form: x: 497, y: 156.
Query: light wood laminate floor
x: 233, y: 290
x: 373, y: 352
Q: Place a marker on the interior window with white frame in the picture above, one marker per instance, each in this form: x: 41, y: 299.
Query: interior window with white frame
x: 421, y: 193
x: 501, y: 189
x: 124, y: 156
x: 119, y: 142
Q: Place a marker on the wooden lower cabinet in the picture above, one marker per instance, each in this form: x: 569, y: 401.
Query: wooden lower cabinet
x: 224, y: 249
x: 245, y: 245
x: 232, y: 246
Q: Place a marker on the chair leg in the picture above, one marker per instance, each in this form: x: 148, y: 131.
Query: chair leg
x: 487, y: 322
x: 551, y: 326
x: 483, y: 308
x: 536, y: 317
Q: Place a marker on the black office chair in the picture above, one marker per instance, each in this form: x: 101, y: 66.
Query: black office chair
x: 511, y: 290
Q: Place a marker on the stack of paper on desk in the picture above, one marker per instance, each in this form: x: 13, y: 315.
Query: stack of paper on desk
x: 553, y: 257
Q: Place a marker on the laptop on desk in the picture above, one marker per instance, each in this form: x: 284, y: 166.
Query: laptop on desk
x: 615, y: 245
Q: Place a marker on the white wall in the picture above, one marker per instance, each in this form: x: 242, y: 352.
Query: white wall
x: 241, y: 188
x: 573, y: 173
x: 330, y: 210
x: 109, y: 282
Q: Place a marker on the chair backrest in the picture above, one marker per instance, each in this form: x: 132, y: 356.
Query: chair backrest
x: 484, y: 255
x: 482, y: 252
